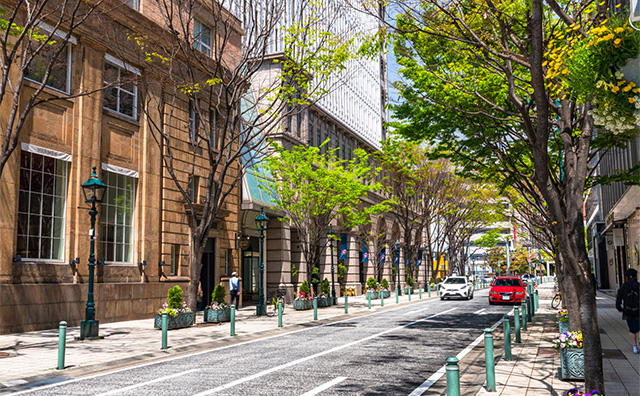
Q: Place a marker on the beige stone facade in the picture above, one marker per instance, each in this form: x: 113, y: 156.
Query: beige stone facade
x: 142, y: 233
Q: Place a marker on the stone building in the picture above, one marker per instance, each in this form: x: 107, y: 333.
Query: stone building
x: 142, y: 235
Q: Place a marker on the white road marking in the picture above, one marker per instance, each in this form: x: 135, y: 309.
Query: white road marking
x: 481, y: 311
x: 325, y: 386
x: 304, y: 359
x: 438, y: 374
x: 126, y: 388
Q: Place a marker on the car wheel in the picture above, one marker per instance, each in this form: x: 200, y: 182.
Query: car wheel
x: 491, y: 302
x: 471, y: 296
x: 441, y: 298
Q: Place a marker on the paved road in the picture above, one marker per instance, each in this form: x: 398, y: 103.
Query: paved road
x: 392, y: 352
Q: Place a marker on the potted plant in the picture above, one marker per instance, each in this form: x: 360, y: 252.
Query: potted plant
x: 432, y: 283
x: 409, y: 285
x: 384, y: 289
x: 576, y: 392
x: 324, y: 299
x: 179, y: 315
x: 571, y: 355
x: 304, y: 298
x: 218, y: 311
x: 372, y: 288
x: 563, y: 321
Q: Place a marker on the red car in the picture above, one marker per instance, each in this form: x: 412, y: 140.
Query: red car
x: 507, y: 289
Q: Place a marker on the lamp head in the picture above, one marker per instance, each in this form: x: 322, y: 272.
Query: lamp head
x: 262, y: 220
x: 93, y: 189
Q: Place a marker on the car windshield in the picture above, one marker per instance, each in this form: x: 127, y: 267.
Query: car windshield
x: 458, y: 281
x: 507, y: 282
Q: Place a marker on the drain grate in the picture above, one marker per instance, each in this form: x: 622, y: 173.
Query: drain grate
x: 4, y: 355
x: 612, y: 354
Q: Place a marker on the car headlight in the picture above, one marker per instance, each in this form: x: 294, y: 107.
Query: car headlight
x: 463, y: 287
x: 519, y: 293
x: 492, y: 292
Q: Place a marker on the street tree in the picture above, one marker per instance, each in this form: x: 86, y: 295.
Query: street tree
x: 315, y: 189
x: 35, y: 41
x: 215, y: 59
x: 516, y: 88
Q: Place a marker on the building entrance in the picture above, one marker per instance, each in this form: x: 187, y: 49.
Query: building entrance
x: 207, y: 273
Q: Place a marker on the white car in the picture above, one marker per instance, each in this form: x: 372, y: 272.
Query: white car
x: 456, y: 286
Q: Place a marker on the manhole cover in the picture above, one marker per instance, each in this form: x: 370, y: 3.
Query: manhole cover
x: 342, y: 325
x: 612, y: 354
x: 546, y: 351
x: 3, y: 355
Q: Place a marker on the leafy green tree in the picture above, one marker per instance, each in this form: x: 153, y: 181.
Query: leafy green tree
x: 314, y: 190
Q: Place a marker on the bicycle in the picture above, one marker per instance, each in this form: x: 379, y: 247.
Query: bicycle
x: 557, y: 300
x: 273, y: 298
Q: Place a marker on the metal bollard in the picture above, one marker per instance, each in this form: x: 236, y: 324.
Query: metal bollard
x: 490, y: 363
x: 280, y: 313
x: 382, y: 299
x: 529, y: 309
x: 453, y: 376
x: 397, y: 299
x: 524, y: 316
x: 516, y: 322
x: 429, y: 291
x: 62, y: 344
x: 409, y: 293
x: 315, y: 308
x: 369, y: 300
x: 536, y: 300
x: 232, y: 328
x: 346, y: 303
x: 420, y: 292
x: 165, y: 321
x: 507, y: 337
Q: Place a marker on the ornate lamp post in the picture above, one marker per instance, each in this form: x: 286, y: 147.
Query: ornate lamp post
x: 93, y: 190
x: 397, y: 245
x: 261, y: 224
x: 331, y: 234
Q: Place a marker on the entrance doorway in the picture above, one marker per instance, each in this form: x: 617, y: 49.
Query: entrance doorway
x: 207, y: 273
x: 251, y: 272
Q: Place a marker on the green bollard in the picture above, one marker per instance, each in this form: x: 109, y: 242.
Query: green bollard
x: 490, y: 363
x: 516, y: 322
x: 165, y: 320
x: 280, y: 313
x: 429, y: 291
x: 453, y: 376
x: 315, y: 308
x: 420, y: 292
x: 346, y: 303
x: 536, y: 300
x: 529, y: 309
x: 232, y: 328
x: 409, y: 293
x: 524, y: 316
x: 369, y: 300
x: 507, y: 337
x: 62, y: 343
x: 382, y: 299
x: 397, y: 299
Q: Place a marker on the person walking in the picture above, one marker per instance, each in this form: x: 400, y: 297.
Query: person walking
x: 627, y: 302
x: 234, y: 289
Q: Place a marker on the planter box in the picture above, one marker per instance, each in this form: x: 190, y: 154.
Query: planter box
x: 217, y: 315
x: 302, y: 305
x: 563, y: 326
x: 174, y: 322
x: 385, y: 294
x: 572, y: 362
x: 324, y: 302
x: 373, y: 295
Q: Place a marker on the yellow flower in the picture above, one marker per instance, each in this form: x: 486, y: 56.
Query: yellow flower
x: 636, y: 90
x: 631, y: 100
x: 615, y: 89
x: 617, y: 41
x: 619, y: 30
x: 627, y: 88
x: 565, y: 71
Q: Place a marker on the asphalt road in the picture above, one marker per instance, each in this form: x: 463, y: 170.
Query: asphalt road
x: 392, y: 352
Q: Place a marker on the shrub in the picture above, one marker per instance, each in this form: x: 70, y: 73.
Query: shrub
x: 409, y: 281
x: 432, y: 281
x: 342, y: 274
x: 219, y: 294
x: 324, y: 287
x: 372, y: 285
x: 175, y: 297
x: 304, y: 287
x: 384, y: 284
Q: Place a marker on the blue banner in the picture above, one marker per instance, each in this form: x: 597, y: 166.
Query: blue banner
x: 343, y: 250
x: 383, y: 255
x: 419, y: 257
x: 365, y: 252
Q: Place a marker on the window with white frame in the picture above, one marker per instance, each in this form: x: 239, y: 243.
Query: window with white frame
x: 194, y: 121
x: 131, y: 3
x: 121, y: 95
x: 202, y: 37
x: 60, y: 74
x: 41, y: 206
x: 116, y: 218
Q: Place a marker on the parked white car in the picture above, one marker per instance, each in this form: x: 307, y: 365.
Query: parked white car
x: 456, y: 287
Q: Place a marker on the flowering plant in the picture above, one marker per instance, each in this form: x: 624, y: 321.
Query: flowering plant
x: 173, y: 311
x: 304, y: 296
x: 576, y: 392
x: 569, y: 340
x: 562, y: 315
x: 217, y: 306
x: 175, y: 306
x: 384, y: 285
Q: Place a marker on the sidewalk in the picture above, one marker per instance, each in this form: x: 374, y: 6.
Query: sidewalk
x: 32, y: 357
x: 535, y: 365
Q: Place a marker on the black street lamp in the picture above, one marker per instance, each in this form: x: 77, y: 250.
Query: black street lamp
x: 331, y: 234
x: 261, y: 224
x: 93, y: 190
x: 398, y: 265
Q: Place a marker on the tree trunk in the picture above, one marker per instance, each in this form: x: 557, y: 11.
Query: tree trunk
x: 197, y: 249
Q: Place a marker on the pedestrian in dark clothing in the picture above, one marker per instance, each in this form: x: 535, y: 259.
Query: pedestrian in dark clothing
x: 234, y: 289
x: 627, y: 302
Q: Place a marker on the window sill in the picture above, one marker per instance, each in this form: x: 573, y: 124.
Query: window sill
x: 174, y: 278
x: 121, y: 117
